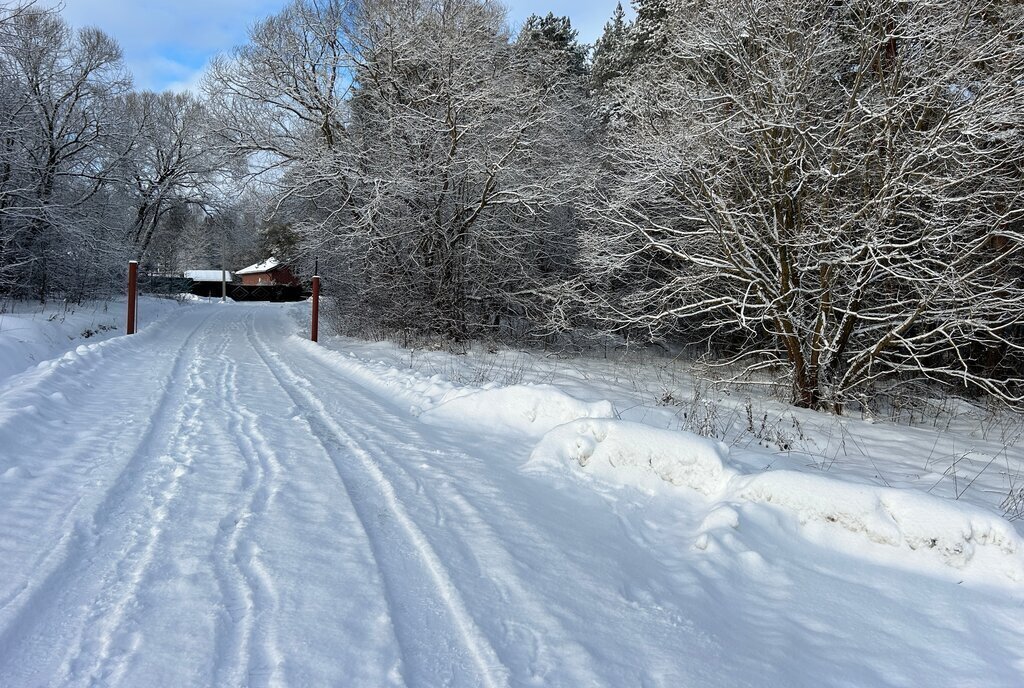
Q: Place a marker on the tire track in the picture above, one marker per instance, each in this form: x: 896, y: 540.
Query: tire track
x: 495, y: 565
x: 104, y: 653
x: 404, y: 569
x: 366, y: 412
x: 69, y: 560
x: 236, y: 544
x: 234, y: 629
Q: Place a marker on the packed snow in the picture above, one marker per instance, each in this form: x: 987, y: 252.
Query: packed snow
x: 217, y: 501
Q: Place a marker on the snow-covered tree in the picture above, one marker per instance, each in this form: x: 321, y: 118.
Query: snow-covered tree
x: 282, y: 95
x: 650, y: 31
x: 448, y: 129
x: 281, y: 101
x: 611, y: 51
x: 174, y: 161
x: 63, y: 142
x: 554, y: 37
x: 831, y: 191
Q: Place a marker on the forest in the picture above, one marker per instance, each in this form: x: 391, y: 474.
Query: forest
x: 826, y: 194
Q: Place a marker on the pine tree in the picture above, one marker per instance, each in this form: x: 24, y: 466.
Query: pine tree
x: 610, y: 56
x: 555, y: 37
x: 648, y: 34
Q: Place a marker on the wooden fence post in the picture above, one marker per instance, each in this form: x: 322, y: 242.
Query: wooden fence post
x: 133, y: 282
x: 316, y: 309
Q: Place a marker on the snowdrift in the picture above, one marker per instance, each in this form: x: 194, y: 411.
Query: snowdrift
x: 888, y: 516
x: 638, y: 452
x: 31, y: 335
x: 958, y: 535
x: 528, y: 409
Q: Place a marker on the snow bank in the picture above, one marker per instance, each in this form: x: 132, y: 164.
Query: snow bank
x: 24, y: 341
x: 958, y: 535
x: 905, y: 519
x: 31, y: 334
x: 528, y: 409
x: 608, y: 446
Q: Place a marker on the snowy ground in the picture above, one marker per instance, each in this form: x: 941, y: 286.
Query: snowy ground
x: 216, y: 501
x: 31, y: 333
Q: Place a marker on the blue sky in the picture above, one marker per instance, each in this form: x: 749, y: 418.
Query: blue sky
x: 167, y: 44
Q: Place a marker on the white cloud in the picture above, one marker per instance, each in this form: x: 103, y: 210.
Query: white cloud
x: 168, y: 44
x: 192, y: 82
x: 159, y: 72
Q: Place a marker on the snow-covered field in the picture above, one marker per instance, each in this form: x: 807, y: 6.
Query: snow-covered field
x: 216, y: 501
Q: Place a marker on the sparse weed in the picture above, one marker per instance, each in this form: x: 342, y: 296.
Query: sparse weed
x: 773, y: 433
x: 1012, y: 505
x: 89, y: 332
x: 488, y: 367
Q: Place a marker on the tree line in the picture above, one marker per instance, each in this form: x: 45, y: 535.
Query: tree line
x: 94, y: 172
x: 827, y: 194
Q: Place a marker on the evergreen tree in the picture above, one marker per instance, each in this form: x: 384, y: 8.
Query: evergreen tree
x: 648, y: 34
x: 279, y: 239
x: 610, y: 52
x: 555, y: 39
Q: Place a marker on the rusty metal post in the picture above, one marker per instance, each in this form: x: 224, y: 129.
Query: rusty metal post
x: 316, y: 309
x: 133, y: 283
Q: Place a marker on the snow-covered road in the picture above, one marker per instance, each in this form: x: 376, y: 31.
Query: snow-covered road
x: 210, y: 502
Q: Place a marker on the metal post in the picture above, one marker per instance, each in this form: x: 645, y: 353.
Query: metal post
x: 133, y: 282
x: 316, y: 308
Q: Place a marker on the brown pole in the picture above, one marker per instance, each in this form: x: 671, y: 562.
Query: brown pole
x: 133, y: 281
x: 316, y: 308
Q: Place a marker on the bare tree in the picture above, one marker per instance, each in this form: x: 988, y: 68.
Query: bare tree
x: 413, y: 134
x: 284, y: 92
x: 175, y: 160
x: 831, y: 189
x: 15, y: 186
x: 64, y: 87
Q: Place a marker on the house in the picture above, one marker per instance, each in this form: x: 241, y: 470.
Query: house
x: 270, y: 272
